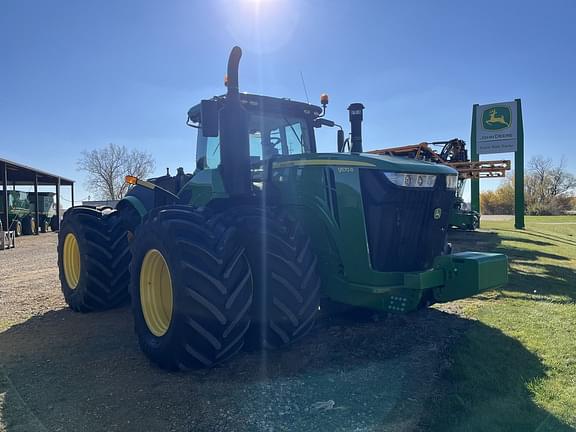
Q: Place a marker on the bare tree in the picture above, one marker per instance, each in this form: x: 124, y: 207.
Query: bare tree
x: 107, y: 167
x: 549, y: 190
x: 548, y: 187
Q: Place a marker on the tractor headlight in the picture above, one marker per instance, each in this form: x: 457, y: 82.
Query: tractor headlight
x: 451, y: 181
x: 411, y: 180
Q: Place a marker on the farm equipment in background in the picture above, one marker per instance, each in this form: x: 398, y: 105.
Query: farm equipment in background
x: 20, y: 220
x: 455, y: 155
x: 240, y: 252
x: 46, y: 210
x: 22, y: 210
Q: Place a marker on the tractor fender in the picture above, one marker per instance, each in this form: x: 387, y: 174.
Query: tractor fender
x: 134, y: 207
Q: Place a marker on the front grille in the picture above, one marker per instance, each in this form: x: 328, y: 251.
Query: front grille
x: 403, y: 234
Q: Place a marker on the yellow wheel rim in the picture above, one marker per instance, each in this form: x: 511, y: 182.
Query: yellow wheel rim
x: 71, y: 260
x: 156, y: 293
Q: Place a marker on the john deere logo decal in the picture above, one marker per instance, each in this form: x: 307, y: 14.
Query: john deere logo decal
x: 497, y: 117
x: 437, y: 213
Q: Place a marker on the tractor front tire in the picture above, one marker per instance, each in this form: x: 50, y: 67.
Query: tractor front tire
x: 29, y: 225
x: 54, y: 223
x: 475, y: 223
x: 286, y: 279
x: 93, y: 259
x: 18, y: 228
x: 191, y: 288
x: 44, y: 224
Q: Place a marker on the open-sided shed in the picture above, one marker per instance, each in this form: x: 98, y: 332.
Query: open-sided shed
x: 13, y: 174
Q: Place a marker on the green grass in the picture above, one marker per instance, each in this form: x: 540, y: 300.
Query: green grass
x: 515, y: 367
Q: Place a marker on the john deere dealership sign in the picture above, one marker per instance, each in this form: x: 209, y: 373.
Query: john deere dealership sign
x: 496, y: 128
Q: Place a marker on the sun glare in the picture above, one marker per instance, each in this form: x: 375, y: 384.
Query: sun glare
x: 262, y: 26
x: 258, y: 5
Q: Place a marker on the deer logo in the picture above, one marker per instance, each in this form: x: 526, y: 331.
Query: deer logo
x: 496, y: 118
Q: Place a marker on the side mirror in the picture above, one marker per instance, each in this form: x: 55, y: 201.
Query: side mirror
x: 340, y: 140
x: 209, y: 118
x: 319, y: 122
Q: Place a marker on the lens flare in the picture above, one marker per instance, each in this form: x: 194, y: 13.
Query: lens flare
x: 262, y: 26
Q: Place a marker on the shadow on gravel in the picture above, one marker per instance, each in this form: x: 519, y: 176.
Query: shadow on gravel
x: 71, y: 372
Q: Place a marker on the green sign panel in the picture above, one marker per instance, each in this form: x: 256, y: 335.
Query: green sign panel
x: 496, y: 118
x: 496, y: 128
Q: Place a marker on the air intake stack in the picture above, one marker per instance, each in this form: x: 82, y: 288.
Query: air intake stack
x: 356, y: 112
x: 234, y: 137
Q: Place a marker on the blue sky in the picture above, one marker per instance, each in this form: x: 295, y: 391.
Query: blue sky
x: 78, y: 75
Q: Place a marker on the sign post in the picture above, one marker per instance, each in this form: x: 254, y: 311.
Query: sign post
x: 474, y: 183
x: 498, y: 128
x: 519, y: 171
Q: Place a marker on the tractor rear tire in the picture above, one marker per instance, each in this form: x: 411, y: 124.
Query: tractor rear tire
x: 286, y: 279
x: 191, y: 288
x: 93, y: 259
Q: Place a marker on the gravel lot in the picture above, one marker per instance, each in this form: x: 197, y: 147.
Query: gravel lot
x: 63, y: 371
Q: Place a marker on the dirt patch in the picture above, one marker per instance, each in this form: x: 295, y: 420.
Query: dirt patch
x: 63, y: 371
x: 29, y: 279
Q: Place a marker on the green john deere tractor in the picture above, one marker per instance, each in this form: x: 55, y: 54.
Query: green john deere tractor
x: 20, y: 219
x: 46, y: 210
x: 240, y: 252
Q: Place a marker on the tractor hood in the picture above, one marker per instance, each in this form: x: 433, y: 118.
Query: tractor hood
x: 364, y: 160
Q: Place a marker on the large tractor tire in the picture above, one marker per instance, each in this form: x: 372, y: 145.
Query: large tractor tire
x: 94, y: 259
x: 191, y: 288
x: 286, y: 279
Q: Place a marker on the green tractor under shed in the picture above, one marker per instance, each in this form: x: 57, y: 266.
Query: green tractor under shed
x: 20, y: 220
x: 46, y: 210
x: 241, y: 252
x: 22, y: 210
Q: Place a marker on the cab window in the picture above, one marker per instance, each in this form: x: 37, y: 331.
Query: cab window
x: 270, y: 135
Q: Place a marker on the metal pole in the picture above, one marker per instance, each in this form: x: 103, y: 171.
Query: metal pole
x: 519, y: 172
x: 36, y: 211
x: 58, y: 203
x: 5, y: 196
x: 474, y: 183
x: 72, y: 196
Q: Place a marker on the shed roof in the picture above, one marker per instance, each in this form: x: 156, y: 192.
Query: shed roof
x: 23, y: 175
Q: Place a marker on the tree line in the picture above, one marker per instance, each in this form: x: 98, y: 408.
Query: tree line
x: 549, y: 189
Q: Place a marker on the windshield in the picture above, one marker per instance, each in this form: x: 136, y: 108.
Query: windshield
x: 270, y: 135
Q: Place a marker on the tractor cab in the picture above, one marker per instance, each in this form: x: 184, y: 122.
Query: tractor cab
x: 276, y: 127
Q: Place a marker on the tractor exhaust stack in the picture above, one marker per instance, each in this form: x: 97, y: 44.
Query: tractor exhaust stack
x: 356, y: 111
x: 234, y: 138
